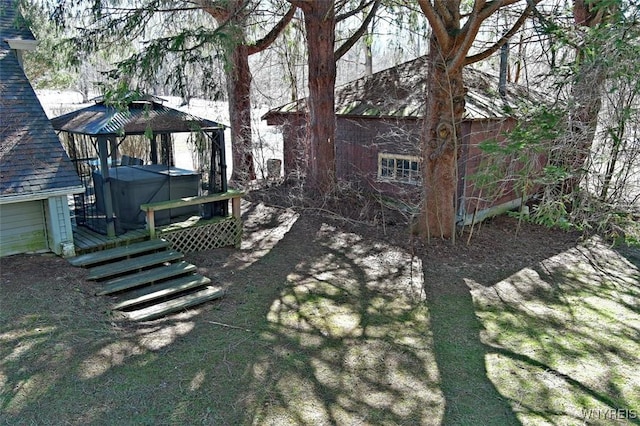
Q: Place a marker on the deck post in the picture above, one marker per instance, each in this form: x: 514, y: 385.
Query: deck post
x: 235, y: 207
x: 151, y: 225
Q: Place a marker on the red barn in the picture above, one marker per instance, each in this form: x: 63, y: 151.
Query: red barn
x: 379, y: 120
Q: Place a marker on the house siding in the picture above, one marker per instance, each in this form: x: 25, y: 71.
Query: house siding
x: 475, y: 199
x: 294, y: 147
x: 22, y: 228
x: 360, y: 140
x: 59, y: 227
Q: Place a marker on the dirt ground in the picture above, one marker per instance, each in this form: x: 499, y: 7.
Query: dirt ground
x: 498, y: 248
x: 42, y: 295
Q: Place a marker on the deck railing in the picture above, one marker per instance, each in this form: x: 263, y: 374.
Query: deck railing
x: 151, y: 208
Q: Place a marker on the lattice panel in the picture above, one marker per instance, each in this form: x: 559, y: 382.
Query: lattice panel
x: 205, y: 237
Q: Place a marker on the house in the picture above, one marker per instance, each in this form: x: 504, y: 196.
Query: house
x: 36, y: 175
x: 378, y: 120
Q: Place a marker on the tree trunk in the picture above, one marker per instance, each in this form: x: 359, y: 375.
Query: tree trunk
x: 449, y: 45
x: 583, y: 119
x: 238, y: 75
x: 320, y: 24
x: 586, y: 95
x: 440, y: 146
x: 239, y: 90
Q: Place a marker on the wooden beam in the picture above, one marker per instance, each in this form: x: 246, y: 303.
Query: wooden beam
x: 235, y: 207
x: 192, y: 201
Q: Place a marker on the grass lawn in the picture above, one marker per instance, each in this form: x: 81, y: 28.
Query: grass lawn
x: 324, y: 323
x: 563, y: 338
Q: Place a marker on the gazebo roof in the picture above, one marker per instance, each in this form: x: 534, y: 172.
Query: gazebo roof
x: 142, y: 114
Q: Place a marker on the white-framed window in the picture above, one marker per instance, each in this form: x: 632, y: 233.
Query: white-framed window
x: 399, y: 168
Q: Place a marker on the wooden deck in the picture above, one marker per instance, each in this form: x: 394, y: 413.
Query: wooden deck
x: 87, y: 241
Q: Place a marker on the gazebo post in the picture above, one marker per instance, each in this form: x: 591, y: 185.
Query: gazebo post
x: 223, y: 160
x: 103, y: 153
x: 154, y: 148
x: 218, y: 166
x: 166, y: 150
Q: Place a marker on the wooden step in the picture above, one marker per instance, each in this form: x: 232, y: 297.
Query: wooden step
x: 118, y: 253
x: 146, y: 277
x: 160, y: 290
x: 133, y: 265
x: 173, y: 305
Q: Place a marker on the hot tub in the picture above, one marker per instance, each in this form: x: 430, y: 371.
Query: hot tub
x: 132, y: 186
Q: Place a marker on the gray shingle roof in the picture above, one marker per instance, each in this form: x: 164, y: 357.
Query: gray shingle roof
x: 32, y: 159
x: 400, y: 92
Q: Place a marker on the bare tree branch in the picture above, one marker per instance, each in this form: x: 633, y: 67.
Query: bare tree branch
x: 358, y: 34
x: 482, y: 10
x: 363, y: 5
x: 498, y: 44
x: 266, y: 41
x: 442, y: 9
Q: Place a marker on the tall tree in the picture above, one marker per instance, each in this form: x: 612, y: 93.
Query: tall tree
x: 320, y: 19
x: 173, y: 34
x: 320, y: 24
x: 449, y: 46
x: 586, y: 90
x: 594, y: 162
x: 233, y: 15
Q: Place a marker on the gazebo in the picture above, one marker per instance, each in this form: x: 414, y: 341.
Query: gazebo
x: 124, y: 155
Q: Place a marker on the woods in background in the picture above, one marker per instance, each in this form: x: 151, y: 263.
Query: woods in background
x: 269, y: 52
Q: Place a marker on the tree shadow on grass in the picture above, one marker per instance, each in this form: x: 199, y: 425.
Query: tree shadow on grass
x: 318, y: 326
x: 336, y: 346
x: 631, y: 253
x: 348, y: 335
x: 322, y: 326
x: 349, y: 346
x: 471, y: 398
x: 559, y: 336
x: 494, y: 254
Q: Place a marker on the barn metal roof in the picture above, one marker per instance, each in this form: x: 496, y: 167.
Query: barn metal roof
x: 142, y: 114
x: 33, y: 162
x: 400, y: 92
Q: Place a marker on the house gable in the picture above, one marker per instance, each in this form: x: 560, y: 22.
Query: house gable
x: 36, y: 175
x: 33, y: 162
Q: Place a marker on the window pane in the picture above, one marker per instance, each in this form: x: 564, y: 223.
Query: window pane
x: 400, y: 169
x: 386, y: 169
